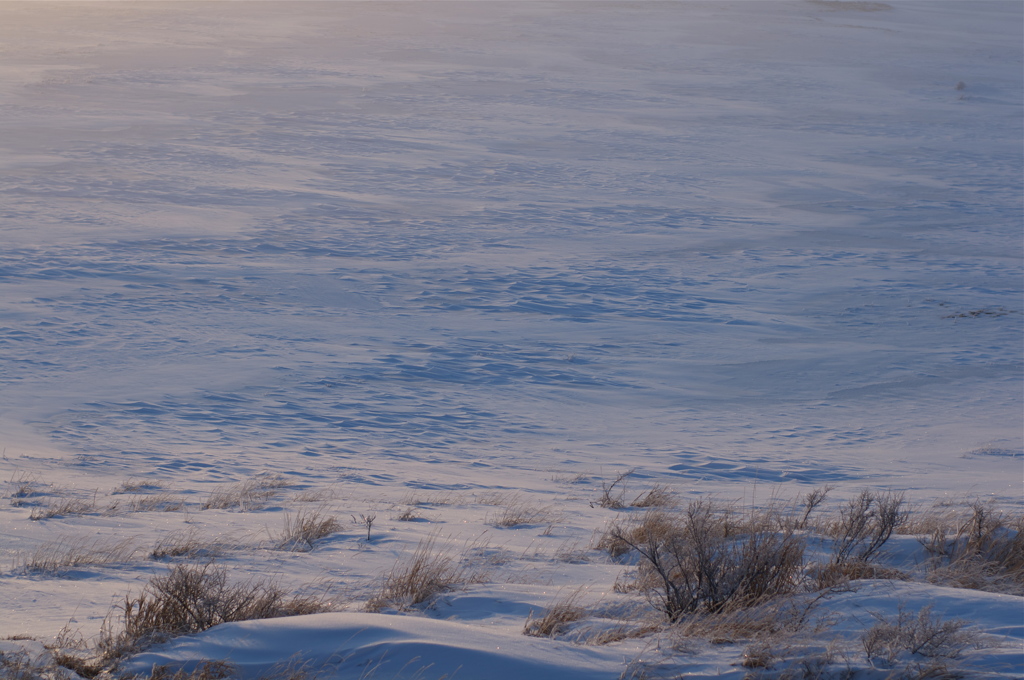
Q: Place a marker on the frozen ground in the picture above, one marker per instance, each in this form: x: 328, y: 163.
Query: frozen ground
x: 428, y: 252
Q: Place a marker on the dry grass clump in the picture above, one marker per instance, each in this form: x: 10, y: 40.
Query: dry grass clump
x: 591, y: 635
x: 438, y: 498
x: 304, y: 529
x: 620, y: 537
x: 185, y: 543
x: 64, y: 505
x: 982, y: 550
x: 695, y: 561
x: 518, y: 511
x: 60, y: 556
x: 23, y: 486
x: 133, y: 485
x: 570, y: 552
x: 161, y: 502
x: 419, y: 579
x: 408, y: 514
x: 204, y: 670
x: 18, y: 666
x: 192, y: 598
x: 658, y: 496
x: 250, y: 494
x: 773, y: 620
x: 571, y: 478
x: 559, y: 615
x: 314, y: 496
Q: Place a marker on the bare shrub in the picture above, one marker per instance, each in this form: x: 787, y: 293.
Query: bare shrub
x: 811, y: 502
x: 865, y: 524
x: 924, y: 635
x: 302, y: 530
x: 517, y: 511
x: 658, y: 496
x: 419, y: 579
x: 185, y: 543
x: 698, y: 565
x: 64, y: 505
x: 192, y: 598
x: 984, y: 550
x: 58, y: 557
x: 367, y: 521
x: 250, y: 494
x: 612, y: 497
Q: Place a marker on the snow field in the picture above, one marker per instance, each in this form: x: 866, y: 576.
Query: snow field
x: 474, y: 260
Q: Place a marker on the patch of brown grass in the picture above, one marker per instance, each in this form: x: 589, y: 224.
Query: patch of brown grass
x: 305, y: 528
x: 247, y: 495
x: 192, y: 598
x: 419, y: 579
x: 186, y: 543
x: 518, y: 511
x: 161, y: 502
x: 58, y: 557
x: 559, y: 614
x: 658, y: 496
x: 64, y: 505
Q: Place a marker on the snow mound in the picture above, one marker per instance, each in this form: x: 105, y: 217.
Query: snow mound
x: 387, y: 646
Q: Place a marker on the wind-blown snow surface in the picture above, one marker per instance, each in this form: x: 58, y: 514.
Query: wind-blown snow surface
x: 388, y: 247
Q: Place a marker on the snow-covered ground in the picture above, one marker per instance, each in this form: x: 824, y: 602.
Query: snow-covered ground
x: 461, y: 256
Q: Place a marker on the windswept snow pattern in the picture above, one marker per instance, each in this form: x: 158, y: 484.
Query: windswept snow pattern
x: 772, y: 234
